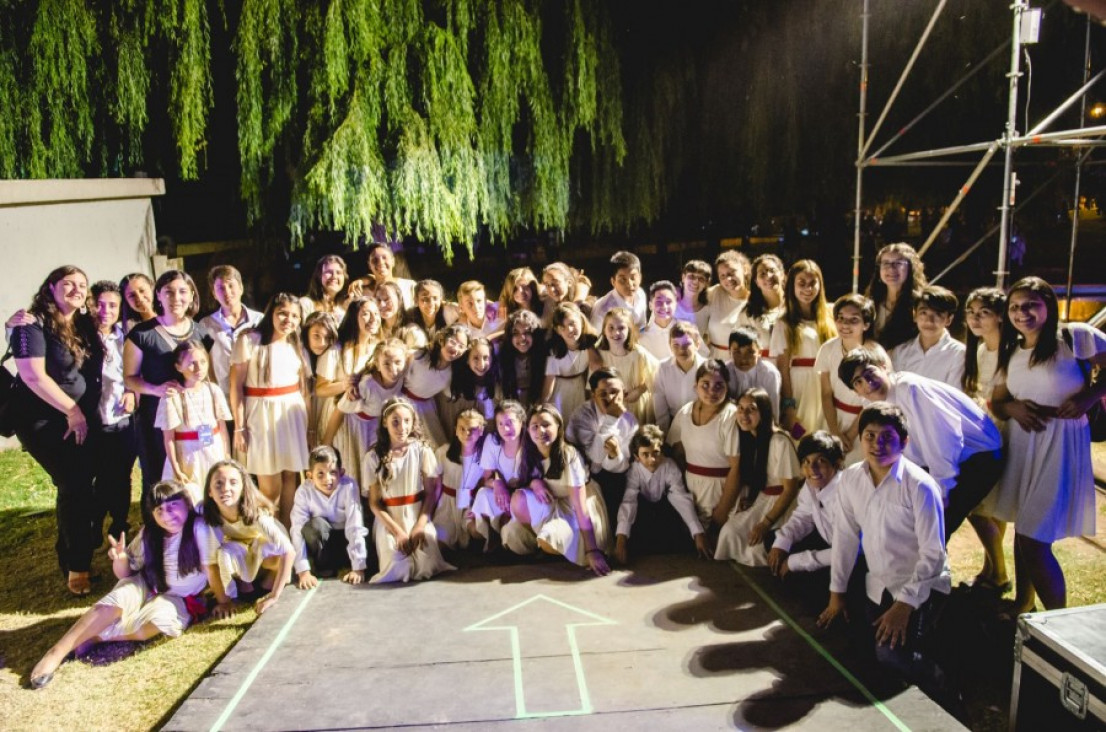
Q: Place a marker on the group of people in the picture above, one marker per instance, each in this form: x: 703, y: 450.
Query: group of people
x: 747, y: 420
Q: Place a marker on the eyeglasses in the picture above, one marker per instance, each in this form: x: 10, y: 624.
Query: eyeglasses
x: 894, y: 264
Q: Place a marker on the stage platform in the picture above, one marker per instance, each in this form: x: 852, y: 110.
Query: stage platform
x: 673, y: 643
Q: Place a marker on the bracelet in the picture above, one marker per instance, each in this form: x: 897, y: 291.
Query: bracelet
x: 788, y: 403
x: 239, y: 429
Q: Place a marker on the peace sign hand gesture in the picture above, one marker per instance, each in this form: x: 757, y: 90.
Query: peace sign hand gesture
x: 117, y: 547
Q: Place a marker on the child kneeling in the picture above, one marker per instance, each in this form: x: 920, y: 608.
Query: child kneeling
x: 161, y: 577
x: 327, y: 522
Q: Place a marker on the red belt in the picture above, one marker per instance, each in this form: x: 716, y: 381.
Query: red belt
x: 765, y: 353
x: 186, y: 436
x: 366, y: 417
x: 411, y: 395
x: 804, y: 362
x: 449, y: 491
x: 271, y: 391
x: 574, y: 376
x: 850, y: 408
x: 707, y: 472
x: 772, y: 490
x: 720, y: 348
x: 404, y: 500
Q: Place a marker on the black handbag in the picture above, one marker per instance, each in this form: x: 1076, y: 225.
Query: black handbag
x: 8, y: 385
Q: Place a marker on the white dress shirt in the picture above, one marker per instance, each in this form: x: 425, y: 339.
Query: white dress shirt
x: 901, y: 525
x: 665, y: 480
x: 589, y: 430
x: 764, y: 375
x: 612, y: 300
x: 814, y: 511
x: 341, y: 509
x: 672, y: 389
x: 943, y: 361
x: 223, y: 335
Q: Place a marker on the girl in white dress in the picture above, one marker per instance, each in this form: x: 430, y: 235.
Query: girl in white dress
x: 522, y: 355
x: 704, y: 437
x: 841, y: 406
x: 725, y: 302
x: 247, y: 545
x: 161, y: 576
x: 566, y: 368
x: 765, y: 300
x: 429, y: 312
x: 796, y: 337
x: 1047, y: 487
x: 663, y: 297
x: 193, y: 421
x: 896, y: 283
x: 556, y: 510
x: 561, y: 284
x: 318, y: 333
x: 429, y: 373
x: 770, y: 481
x: 393, y: 316
x: 326, y: 292
x: 268, y: 398
x: 500, y: 461
x: 618, y: 347
x: 403, y: 479
x: 382, y: 380
x: 460, y: 461
x: 358, y: 336
x: 694, y: 281
x: 474, y: 384
x: 983, y: 312
x: 382, y: 265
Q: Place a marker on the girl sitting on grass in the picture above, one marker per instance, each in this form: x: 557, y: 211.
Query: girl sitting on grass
x: 161, y: 577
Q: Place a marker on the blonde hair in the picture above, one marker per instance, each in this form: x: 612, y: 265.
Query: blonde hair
x: 631, y: 331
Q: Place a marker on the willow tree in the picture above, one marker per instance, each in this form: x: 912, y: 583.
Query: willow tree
x: 441, y: 119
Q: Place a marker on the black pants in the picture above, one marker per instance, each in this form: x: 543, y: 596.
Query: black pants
x: 113, y: 461
x: 978, y: 475
x: 151, y: 444
x: 69, y: 466
x: 914, y: 660
x: 612, y: 486
x: 658, y: 529
x: 326, y: 546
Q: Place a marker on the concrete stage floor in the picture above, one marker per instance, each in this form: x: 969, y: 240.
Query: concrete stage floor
x: 673, y: 643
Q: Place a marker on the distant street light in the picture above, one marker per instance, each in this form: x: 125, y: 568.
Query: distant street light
x: 1097, y: 111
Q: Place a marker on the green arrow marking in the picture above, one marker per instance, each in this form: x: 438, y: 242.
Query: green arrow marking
x: 510, y: 619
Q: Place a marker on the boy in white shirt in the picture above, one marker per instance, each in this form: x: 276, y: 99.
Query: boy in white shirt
x: 747, y: 370
x: 933, y: 353
x: 674, y: 384
x: 892, y: 508
x: 625, y: 268
x: 231, y: 318
x: 654, y: 477
x: 327, y: 522
x: 602, y: 429
x: 803, y: 543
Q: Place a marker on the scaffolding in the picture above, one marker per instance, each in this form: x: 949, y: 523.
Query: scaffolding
x: 1087, y: 139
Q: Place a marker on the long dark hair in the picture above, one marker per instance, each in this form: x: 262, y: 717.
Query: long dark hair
x: 1048, y: 342
x: 383, y: 445
x: 465, y: 383
x: 266, y: 330
x: 994, y: 300
x: 77, y: 334
x: 153, y: 536
x: 758, y: 305
x: 900, y: 327
x: 559, y: 454
x: 587, y: 339
x: 509, y: 355
x: 453, y: 452
x: 754, y: 447
x: 414, y: 315
x: 125, y: 313
x: 315, y: 291
x: 434, y: 350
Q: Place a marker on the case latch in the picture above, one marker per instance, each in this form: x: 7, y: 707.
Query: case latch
x: 1073, y: 695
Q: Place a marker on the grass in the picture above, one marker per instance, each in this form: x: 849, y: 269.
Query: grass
x: 142, y: 690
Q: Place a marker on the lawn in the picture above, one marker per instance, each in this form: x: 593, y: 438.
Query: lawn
x: 141, y: 690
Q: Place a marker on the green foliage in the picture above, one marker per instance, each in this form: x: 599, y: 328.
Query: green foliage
x: 443, y: 119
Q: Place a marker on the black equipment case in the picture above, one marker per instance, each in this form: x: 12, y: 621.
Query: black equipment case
x: 1060, y: 670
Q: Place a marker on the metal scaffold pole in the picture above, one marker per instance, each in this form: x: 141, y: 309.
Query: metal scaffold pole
x: 1078, y: 174
x: 1014, y: 76
x: 860, y: 145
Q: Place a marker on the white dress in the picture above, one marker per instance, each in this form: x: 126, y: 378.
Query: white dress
x: 494, y: 457
x: 405, y: 494
x: 806, y: 387
x: 707, y: 450
x: 571, y: 371
x: 355, y: 435
x: 1047, y: 486
x: 555, y: 522
x: 763, y: 324
x: 239, y: 549
x: 276, y: 424
x: 367, y: 410
x: 723, y: 315
x: 458, y: 486
x: 987, y: 364
x: 421, y: 384
x: 733, y: 539
x: 189, y: 413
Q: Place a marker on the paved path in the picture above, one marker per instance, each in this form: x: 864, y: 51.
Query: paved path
x: 675, y: 644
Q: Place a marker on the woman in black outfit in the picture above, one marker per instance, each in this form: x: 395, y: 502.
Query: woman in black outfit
x: 58, y: 358
x: 148, y: 361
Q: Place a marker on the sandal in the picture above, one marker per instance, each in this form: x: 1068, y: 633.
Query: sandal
x: 986, y: 584
x: 79, y: 583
